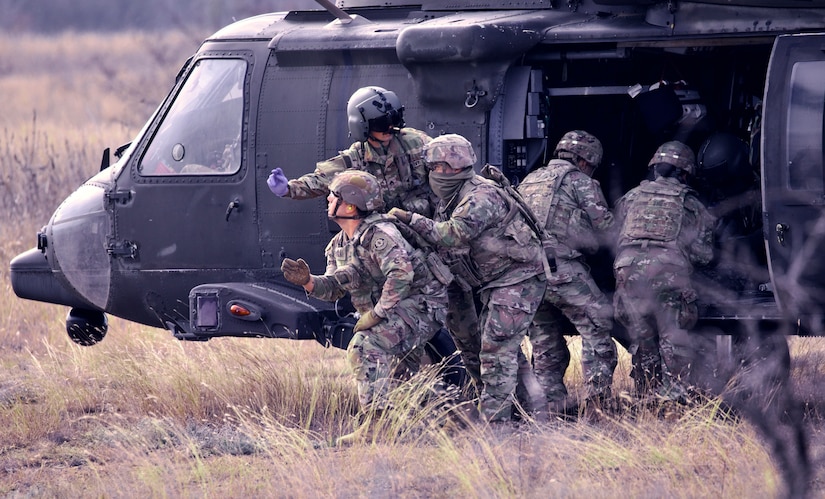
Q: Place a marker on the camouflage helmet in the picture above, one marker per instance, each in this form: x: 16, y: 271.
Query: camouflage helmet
x: 582, y: 144
x: 358, y: 188
x: 452, y: 149
x: 373, y: 109
x: 677, y: 154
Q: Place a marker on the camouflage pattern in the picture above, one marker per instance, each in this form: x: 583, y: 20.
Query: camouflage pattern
x: 677, y: 154
x: 505, y: 316
x: 575, y: 214
x: 582, y: 144
x: 358, y: 188
x: 482, y: 220
x: 654, y: 298
x: 385, y: 274
x: 572, y: 205
x: 462, y: 322
x: 506, y: 256
x: 399, y: 169
x: 452, y: 149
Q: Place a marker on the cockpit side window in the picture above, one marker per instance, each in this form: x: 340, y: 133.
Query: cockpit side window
x: 805, y: 127
x: 201, y: 132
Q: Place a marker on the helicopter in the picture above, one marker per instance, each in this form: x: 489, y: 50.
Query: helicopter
x: 181, y: 232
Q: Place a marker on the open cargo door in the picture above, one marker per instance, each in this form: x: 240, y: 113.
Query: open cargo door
x: 793, y: 177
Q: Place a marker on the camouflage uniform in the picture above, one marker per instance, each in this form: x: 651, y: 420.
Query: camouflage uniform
x: 573, y: 208
x: 385, y: 274
x: 500, y: 256
x: 398, y: 167
x: 665, y: 231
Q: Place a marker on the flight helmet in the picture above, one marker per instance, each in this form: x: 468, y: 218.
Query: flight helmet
x: 582, y: 144
x: 723, y: 163
x: 358, y: 188
x: 677, y: 154
x: 452, y: 149
x: 373, y: 109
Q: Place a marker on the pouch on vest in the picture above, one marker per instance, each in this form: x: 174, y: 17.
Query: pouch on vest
x: 521, y: 246
x: 439, y: 269
x: 462, y: 267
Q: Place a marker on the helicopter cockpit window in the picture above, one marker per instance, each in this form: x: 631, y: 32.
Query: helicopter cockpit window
x: 201, y: 133
x: 805, y: 132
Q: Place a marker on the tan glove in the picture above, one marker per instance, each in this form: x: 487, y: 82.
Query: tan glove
x: 295, y: 272
x: 402, y: 215
x: 367, y: 321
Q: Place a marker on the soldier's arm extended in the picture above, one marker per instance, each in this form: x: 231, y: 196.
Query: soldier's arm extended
x: 470, y: 218
x: 701, y: 246
x: 394, y: 258
x: 316, y: 184
x: 591, y: 199
x: 326, y: 287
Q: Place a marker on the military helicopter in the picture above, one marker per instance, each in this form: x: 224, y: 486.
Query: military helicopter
x: 182, y: 233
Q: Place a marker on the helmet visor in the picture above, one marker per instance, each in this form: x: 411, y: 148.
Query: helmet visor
x: 385, y: 123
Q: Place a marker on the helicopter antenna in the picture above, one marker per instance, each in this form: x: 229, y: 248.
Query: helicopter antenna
x: 333, y: 9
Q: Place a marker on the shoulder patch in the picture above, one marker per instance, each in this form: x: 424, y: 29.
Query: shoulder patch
x: 379, y: 242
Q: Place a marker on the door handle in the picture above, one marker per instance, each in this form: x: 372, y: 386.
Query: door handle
x: 235, y: 204
x: 781, y: 230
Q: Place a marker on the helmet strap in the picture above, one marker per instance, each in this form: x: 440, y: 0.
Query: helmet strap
x: 358, y: 215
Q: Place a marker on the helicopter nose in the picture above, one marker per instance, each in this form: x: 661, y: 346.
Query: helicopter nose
x: 73, y: 267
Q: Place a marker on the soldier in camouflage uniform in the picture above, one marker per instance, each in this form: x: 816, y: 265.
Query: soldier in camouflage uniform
x: 570, y: 203
x: 402, y: 304
x: 384, y: 148
x: 665, y: 231
x: 486, y: 240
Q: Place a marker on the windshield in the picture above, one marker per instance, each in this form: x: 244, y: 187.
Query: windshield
x: 201, y: 133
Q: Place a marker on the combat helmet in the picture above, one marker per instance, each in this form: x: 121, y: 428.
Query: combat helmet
x: 452, y: 149
x: 373, y: 109
x: 358, y: 188
x: 582, y: 144
x: 677, y: 154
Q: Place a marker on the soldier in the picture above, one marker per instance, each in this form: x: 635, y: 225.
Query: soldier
x: 384, y: 148
x: 665, y: 231
x: 402, y: 304
x: 564, y: 197
x: 486, y: 240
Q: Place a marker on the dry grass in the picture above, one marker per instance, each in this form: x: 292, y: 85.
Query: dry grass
x: 142, y: 414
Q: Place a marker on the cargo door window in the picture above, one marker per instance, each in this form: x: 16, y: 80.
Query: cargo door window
x: 201, y: 132
x: 805, y: 128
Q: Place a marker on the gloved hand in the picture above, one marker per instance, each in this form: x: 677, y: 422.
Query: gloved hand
x: 367, y: 320
x: 278, y: 183
x: 295, y: 272
x: 402, y: 215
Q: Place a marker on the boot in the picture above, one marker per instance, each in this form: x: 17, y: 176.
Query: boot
x: 564, y: 407
x: 364, y: 433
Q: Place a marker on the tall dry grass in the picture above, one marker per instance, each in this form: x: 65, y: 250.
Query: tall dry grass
x: 142, y: 414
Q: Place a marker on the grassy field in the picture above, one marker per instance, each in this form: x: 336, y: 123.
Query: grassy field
x: 144, y: 415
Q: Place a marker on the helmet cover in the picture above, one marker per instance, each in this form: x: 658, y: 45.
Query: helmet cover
x: 582, y: 144
x: 452, y: 149
x: 358, y: 188
x: 677, y: 154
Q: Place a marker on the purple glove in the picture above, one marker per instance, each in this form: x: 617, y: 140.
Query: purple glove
x: 278, y: 183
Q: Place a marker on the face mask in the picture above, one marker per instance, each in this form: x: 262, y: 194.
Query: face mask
x: 445, y: 185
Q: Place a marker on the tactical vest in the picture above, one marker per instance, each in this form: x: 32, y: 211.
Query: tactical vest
x: 354, y: 158
x: 656, y: 213
x: 512, y: 238
x: 357, y: 278
x: 540, y: 189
